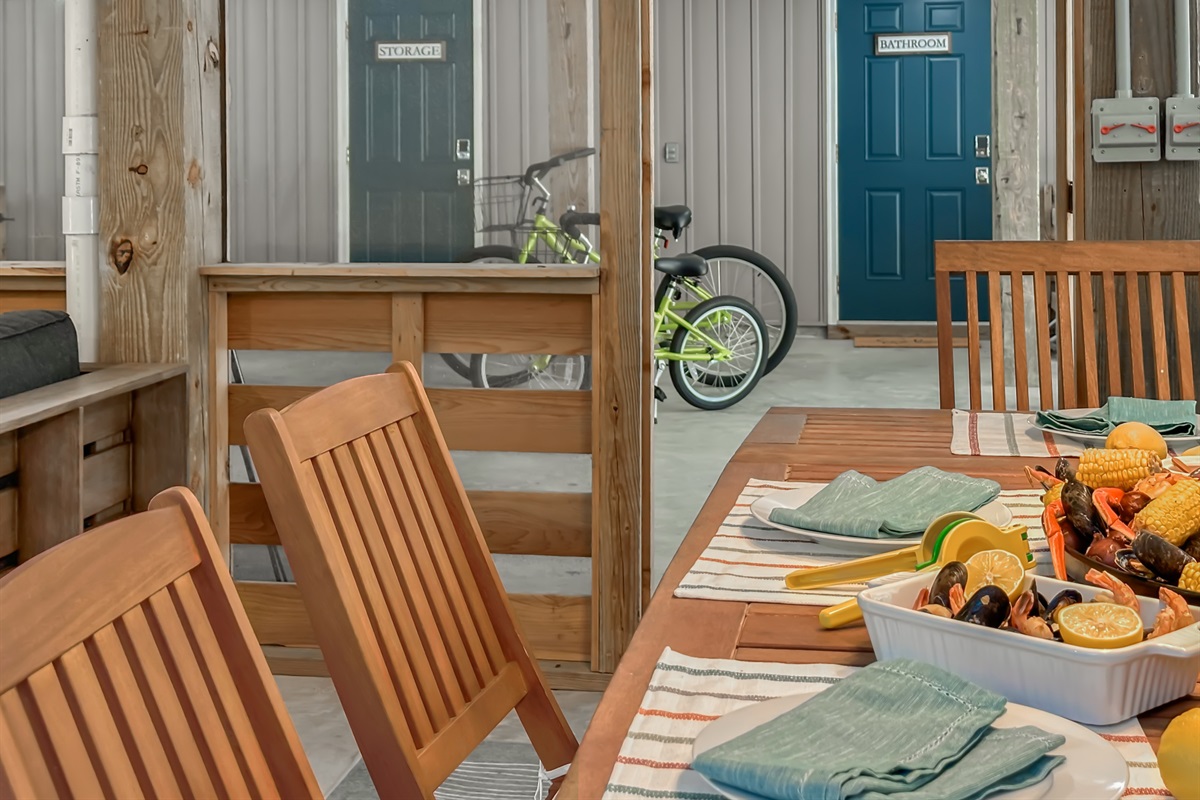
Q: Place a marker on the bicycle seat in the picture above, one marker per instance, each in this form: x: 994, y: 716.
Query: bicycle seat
x: 672, y: 218
x: 685, y: 265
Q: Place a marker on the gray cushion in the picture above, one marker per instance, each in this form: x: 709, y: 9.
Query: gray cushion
x: 36, y: 348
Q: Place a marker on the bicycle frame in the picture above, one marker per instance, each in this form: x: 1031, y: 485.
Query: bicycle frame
x: 712, y: 350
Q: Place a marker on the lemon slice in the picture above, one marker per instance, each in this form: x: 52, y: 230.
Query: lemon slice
x: 995, y: 568
x: 1101, y: 626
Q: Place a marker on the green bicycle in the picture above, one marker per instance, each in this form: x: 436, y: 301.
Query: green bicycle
x: 518, y: 205
x: 716, y: 354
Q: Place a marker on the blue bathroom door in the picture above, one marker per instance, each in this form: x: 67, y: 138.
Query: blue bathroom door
x: 910, y: 108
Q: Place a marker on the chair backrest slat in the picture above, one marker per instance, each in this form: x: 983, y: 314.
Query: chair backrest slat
x: 1066, y: 352
x: 1101, y: 295
x: 1042, y: 318
x: 1183, y: 338
x: 996, y: 338
x: 414, y: 624
x: 1020, y: 342
x: 131, y: 671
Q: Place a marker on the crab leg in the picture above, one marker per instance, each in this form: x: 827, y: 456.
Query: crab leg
x: 1104, y: 500
x: 1054, y: 538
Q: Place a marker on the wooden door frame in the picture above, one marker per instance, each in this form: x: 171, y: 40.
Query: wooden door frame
x: 830, y: 176
x: 342, y: 151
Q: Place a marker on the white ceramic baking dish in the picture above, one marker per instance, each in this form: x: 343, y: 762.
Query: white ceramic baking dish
x: 1095, y: 687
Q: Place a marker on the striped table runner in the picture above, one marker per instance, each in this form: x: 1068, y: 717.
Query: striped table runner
x: 747, y: 561
x: 998, y: 433
x: 992, y: 433
x: 686, y: 693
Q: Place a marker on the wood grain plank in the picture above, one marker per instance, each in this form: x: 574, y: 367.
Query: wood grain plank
x: 159, y: 426
x: 514, y: 523
x: 45, y: 690
x: 50, y: 491
x: 1089, y: 365
x: 302, y: 321
x: 8, y: 521
x: 106, y: 479
x: 218, y: 410
x: 1042, y: 317
x: 945, y: 334
x: 570, y: 44
x: 276, y: 613
x: 8, y: 453
x: 32, y: 300
x: 1112, y: 352
x: 105, y: 418
x: 974, y: 356
x: 1020, y: 341
x: 1109, y: 257
x: 1068, y: 395
x: 408, y: 329
x: 482, y: 323
x: 1133, y: 332
x: 1158, y: 312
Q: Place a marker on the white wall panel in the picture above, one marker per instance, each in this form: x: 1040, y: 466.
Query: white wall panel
x: 31, y: 107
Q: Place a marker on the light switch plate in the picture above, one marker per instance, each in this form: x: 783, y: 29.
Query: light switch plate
x: 1126, y: 129
x: 671, y: 152
x: 1182, y: 129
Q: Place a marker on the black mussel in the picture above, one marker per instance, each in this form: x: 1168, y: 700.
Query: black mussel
x: 1039, y: 600
x: 1081, y: 513
x: 1127, y: 560
x: 989, y: 606
x: 1160, y: 556
x: 954, y: 573
x: 1192, y: 547
x: 1061, y: 600
x: 1104, y: 549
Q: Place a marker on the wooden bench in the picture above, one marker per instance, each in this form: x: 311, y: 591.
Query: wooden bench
x: 1135, y: 308
x: 86, y: 450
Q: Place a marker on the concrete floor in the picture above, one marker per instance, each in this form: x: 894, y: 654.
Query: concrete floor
x: 691, y: 448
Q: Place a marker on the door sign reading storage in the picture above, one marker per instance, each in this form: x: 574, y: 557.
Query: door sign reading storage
x: 914, y: 154
x: 410, y: 51
x: 908, y: 44
x: 411, y: 98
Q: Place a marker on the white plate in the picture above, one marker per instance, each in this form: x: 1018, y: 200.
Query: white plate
x: 1093, y: 767
x: 994, y: 512
x: 1098, y: 439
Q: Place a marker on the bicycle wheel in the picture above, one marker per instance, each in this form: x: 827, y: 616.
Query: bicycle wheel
x: 487, y: 254
x: 740, y: 272
x: 710, y: 384
x: 503, y: 371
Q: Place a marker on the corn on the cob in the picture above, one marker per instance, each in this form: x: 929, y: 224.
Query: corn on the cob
x: 1117, y: 469
x: 1190, y: 579
x: 1174, y: 515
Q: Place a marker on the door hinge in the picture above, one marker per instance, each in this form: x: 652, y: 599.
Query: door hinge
x: 835, y: 21
x: 347, y: 155
x: 837, y: 154
x: 347, y: 31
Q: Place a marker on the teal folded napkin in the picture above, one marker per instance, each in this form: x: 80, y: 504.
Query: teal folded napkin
x: 1168, y: 417
x: 856, y: 505
x: 897, y: 729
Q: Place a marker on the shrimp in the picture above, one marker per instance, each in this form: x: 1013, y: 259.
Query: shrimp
x: 1121, y: 592
x: 1178, y: 606
x: 1030, y: 626
x: 958, y: 598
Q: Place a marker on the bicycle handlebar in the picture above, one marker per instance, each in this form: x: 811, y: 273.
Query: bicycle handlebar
x: 540, y: 169
x: 571, y: 220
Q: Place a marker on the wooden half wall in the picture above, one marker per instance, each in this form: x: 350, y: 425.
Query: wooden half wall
x: 408, y: 311
x: 33, y: 285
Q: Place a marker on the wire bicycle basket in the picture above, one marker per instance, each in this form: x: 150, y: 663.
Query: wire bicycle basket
x: 500, y: 203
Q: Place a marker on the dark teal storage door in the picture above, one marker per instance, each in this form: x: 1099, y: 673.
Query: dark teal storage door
x: 906, y: 136
x: 411, y: 125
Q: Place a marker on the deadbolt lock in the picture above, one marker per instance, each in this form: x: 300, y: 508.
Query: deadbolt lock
x: 462, y: 149
x: 983, y: 176
x: 983, y: 146
x: 464, y: 177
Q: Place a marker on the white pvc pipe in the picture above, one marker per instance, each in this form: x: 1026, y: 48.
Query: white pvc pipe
x: 80, y: 148
x: 1124, y: 72
x: 1183, y: 48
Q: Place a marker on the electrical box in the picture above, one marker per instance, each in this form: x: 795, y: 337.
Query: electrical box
x: 1126, y: 129
x: 1182, y: 129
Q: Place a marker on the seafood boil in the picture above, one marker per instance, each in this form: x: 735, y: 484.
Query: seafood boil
x: 1126, y: 510
x: 1105, y: 621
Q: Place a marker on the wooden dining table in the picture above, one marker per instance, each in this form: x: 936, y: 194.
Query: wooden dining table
x: 797, y: 444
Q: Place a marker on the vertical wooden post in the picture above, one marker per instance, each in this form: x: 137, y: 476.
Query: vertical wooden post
x: 159, y: 439
x: 570, y: 54
x: 648, y: 153
x: 1016, y: 161
x: 621, y: 390
x: 50, y: 487
x: 161, y: 196
x: 1141, y: 200
x: 408, y: 329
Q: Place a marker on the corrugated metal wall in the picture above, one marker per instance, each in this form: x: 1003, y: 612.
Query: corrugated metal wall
x: 738, y: 86
x: 31, y: 108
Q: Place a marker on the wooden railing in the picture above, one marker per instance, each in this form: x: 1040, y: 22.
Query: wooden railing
x: 86, y: 450
x: 408, y: 311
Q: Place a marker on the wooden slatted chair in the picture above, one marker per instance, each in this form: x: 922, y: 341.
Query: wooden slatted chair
x: 405, y: 601
x: 128, y: 669
x: 1113, y: 288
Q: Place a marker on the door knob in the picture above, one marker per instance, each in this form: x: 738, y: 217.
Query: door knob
x: 464, y: 177
x: 983, y: 176
x: 462, y: 149
x: 983, y: 146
